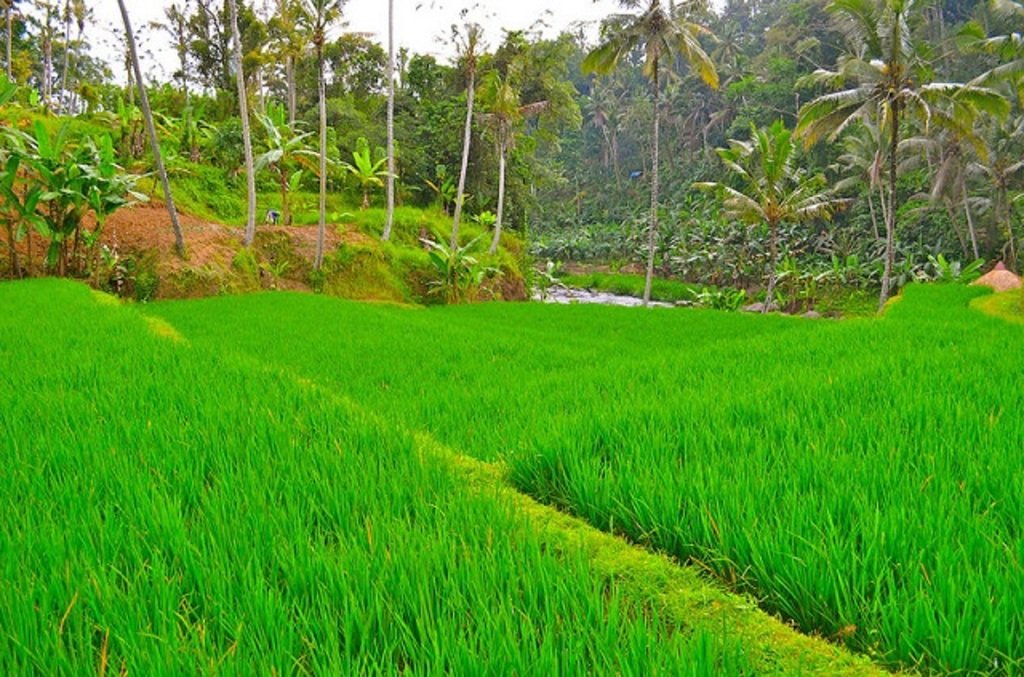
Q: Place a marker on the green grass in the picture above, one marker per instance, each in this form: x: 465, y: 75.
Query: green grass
x: 861, y: 478
x: 174, y: 507
x: 633, y: 285
x: 1008, y: 305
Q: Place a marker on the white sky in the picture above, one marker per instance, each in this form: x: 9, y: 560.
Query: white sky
x: 423, y: 26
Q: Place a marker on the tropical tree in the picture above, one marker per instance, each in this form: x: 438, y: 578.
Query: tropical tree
x: 289, y: 42
x: 863, y: 163
x: 247, y: 140
x: 469, y: 45
x: 75, y: 12
x: 368, y: 172
x: 154, y: 142
x: 389, y: 218
x: 890, y: 73
x: 175, y: 25
x: 501, y: 98
x: 663, y: 33
x: 286, y: 150
x: 950, y: 159
x: 775, y: 189
x: 1000, y: 170
x: 317, y: 16
x: 243, y: 111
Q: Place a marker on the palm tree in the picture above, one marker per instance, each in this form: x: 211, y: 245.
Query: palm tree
x: 468, y: 47
x: 863, y: 162
x: 390, y: 217
x: 1008, y: 48
x: 289, y: 45
x: 888, y: 71
x: 243, y: 111
x: 776, y: 190
x: 948, y: 156
x: 663, y: 33
x: 286, y: 147
x: 503, y: 112
x: 1000, y: 170
x: 154, y: 142
x: 318, y: 15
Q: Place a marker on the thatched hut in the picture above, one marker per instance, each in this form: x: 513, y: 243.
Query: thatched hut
x: 1000, y: 279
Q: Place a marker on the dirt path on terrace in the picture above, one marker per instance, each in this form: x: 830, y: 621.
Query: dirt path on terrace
x: 147, y: 227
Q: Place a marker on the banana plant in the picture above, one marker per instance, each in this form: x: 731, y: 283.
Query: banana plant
x: 460, y: 274
x: 369, y: 173
x: 108, y: 188
x: 287, y: 150
x: 444, y: 187
x: 7, y: 89
x: 17, y: 202
x: 60, y: 182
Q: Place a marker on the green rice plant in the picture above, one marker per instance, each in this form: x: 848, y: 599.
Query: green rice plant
x: 173, y: 508
x: 862, y: 478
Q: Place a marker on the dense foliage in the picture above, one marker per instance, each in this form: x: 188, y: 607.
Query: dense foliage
x: 931, y: 169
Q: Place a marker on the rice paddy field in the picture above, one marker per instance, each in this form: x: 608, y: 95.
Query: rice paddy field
x: 300, y: 484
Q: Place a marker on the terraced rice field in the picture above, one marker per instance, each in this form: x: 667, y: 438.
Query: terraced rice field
x: 176, y: 508
x: 286, y: 480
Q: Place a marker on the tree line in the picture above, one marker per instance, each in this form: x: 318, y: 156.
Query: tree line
x: 725, y: 145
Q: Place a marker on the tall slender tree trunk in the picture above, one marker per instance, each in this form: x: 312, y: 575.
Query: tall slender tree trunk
x: 67, y: 58
x: 652, y: 231
x: 286, y: 207
x: 154, y: 142
x: 289, y: 76
x: 874, y: 217
x: 1003, y: 200
x: 970, y: 220
x: 12, y: 246
x: 890, y: 217
x: 951, y: 213
x: 773, y: 266
x: 10, y: 40
x: 322, y: 223
x: 48, y: 59
x: 243, y: 111
x: 466, y: 138
x: 390, y: 218
x: 502, y: 153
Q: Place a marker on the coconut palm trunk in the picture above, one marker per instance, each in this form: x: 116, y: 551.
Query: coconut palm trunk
x: 243, y: 111
x: 390, y: 217
x: 652, y: 230
x: 890, y: 217
x: 48, y: 59
x: 147, y: 113
x: 322, y: 223
x: 466, y: 139
x: 502, y: 153
x: 970, y: 220
x: 67, y: 57
x: 289, y: 75
x: 773, y: 266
